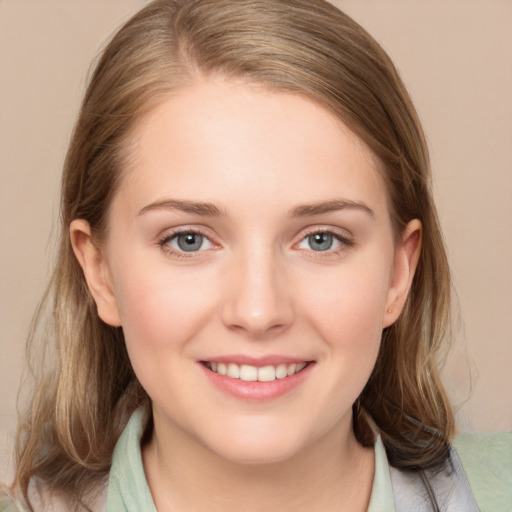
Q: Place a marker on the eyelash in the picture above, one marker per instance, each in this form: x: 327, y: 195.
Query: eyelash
x: 346, y: 243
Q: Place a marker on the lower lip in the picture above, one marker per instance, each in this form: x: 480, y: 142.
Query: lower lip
x: 257, y: 391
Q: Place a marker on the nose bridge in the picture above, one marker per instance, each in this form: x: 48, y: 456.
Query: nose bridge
x: 259, y: 300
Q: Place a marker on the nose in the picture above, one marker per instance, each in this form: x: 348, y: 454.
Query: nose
x: 258, y: 296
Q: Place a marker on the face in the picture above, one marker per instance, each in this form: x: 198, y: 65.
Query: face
x: 251, y: 262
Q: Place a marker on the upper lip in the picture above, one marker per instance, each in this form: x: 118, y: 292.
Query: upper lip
x: 258, y: 361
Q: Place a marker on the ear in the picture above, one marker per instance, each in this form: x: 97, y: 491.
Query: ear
x: 407, y: 255
x: 96, y: 271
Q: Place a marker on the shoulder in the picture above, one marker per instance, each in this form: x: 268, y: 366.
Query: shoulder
x: 487, y: 462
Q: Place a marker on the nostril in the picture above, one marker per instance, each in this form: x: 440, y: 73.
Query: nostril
x: 259, y: 331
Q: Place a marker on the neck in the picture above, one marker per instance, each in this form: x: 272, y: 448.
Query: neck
x: 334, y: 473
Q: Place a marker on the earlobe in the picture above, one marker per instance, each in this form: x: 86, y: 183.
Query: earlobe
x: 96, y: 272
x: 407, y: 254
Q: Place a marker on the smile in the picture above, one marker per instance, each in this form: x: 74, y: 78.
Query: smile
x: 250, y: 373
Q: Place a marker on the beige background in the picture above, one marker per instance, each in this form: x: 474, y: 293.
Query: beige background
x: 454, y: 55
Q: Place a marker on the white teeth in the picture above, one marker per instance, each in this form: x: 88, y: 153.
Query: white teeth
x: 299, y: 367
x: 250, y: 373
x: 233, y: 371
x: 266, y: 374
x: 281, y: 371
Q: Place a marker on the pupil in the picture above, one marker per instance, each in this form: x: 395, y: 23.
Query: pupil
x: 190, y: 242
x: 320, y: 241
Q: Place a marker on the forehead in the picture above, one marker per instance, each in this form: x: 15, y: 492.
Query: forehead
x: 218, y: 137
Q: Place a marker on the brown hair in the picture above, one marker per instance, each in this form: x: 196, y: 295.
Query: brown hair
x: 84, y: 386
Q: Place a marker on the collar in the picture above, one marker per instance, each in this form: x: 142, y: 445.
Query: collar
x: 128, y: 489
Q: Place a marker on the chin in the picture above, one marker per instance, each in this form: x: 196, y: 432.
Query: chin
x: 257, y: 454
x: 259, y: 446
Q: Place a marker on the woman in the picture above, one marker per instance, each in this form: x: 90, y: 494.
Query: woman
x: 251, y: 282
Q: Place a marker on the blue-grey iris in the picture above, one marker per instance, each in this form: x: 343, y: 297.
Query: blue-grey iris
x: 190, y: 242
x: 320, y: 241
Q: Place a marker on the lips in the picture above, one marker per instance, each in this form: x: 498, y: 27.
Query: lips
x: 257, y: 379
x: 250, y: 373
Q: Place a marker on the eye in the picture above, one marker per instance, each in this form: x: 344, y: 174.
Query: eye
x: 187, y: 241
x: 322, y: 241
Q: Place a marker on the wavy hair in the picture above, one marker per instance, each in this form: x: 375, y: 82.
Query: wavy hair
x: 84, y: 385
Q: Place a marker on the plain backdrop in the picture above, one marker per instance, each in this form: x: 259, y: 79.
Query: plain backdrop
x: 455, y: 56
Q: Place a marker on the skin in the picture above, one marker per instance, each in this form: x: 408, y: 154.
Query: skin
x: 258, y: 287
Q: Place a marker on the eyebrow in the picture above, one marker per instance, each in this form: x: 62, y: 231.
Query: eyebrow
x: 207, y: 209
x: 334, y: 205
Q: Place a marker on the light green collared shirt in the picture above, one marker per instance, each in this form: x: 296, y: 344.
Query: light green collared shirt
x: 486, y: 460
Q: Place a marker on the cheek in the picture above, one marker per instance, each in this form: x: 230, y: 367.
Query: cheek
x: 161, y: 315
x: 161, y: 309
x: 348, y: 315
x: 349, y: 306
